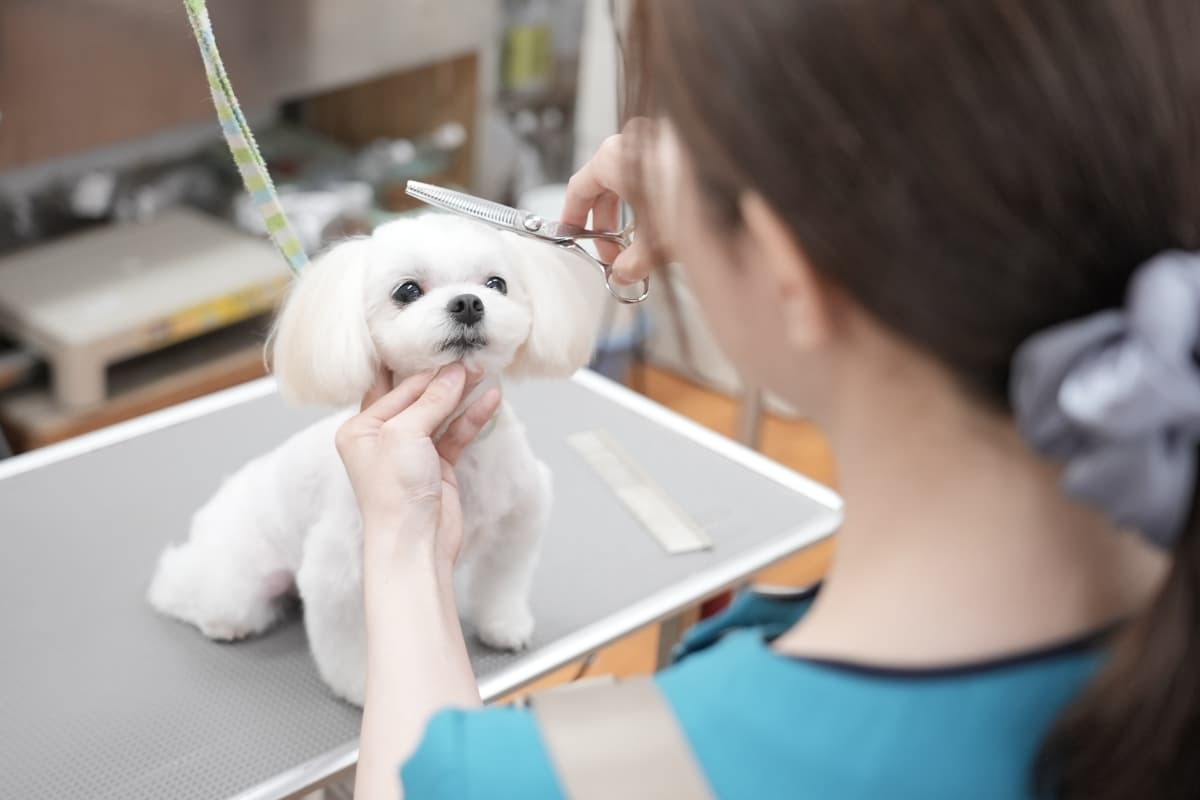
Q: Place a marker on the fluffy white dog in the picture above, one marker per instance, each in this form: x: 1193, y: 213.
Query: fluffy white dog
x: 418, y: 294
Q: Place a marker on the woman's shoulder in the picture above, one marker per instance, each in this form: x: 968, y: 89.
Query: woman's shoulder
x: 467, y: 754
x: 762, y: 724
x: 499, y: 751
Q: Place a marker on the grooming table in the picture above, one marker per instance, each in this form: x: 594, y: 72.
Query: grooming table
x: 102, y: 698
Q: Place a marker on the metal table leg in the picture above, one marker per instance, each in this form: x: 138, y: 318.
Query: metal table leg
x: 750, y: 417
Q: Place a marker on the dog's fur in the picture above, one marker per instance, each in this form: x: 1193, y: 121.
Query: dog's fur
x: 288, y: 520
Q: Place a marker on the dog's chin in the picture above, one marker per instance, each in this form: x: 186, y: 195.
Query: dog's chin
x: 476, y: 353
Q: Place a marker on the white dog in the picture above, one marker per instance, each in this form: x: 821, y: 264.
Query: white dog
x: 418, y: 294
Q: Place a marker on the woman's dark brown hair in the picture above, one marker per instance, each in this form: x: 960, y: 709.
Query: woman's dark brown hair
x: 971, y: 172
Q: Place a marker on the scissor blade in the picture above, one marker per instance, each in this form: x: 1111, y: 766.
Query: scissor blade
x: 462, y: 203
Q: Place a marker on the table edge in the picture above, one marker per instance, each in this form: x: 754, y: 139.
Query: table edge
x: 138, y: 426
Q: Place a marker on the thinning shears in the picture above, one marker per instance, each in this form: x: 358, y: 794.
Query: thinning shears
x: 529, y: 224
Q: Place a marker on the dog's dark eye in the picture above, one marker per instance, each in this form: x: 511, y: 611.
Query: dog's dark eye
x: 407, y: 292
x: 497, y: 283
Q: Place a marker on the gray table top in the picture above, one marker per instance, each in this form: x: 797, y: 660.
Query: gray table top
x: 101, y: 698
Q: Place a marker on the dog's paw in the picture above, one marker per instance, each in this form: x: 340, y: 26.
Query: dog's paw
x: 222, y: 631
x: 224, y: 609
x: 507, y: 629
x: 350, y: 688
x: 219, y: 624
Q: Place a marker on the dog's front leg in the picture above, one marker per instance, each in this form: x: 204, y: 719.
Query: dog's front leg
x: 330, y: 585
x: 500, y: 568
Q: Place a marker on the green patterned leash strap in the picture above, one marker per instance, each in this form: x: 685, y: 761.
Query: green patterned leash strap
x: 241, y: 142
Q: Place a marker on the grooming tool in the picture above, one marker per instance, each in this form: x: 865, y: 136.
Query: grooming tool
x: 525, y: 223
x: 669, y: 524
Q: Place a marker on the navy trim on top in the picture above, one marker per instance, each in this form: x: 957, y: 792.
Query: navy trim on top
x: 1078, y: 645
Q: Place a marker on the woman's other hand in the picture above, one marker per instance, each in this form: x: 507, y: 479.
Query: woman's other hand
x: 598, y: 188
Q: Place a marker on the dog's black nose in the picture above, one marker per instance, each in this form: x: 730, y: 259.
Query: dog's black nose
x: 466, y: 308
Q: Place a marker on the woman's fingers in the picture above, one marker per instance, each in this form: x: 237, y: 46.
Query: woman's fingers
x: 432, y: 406
x: 393, y: 401
x: 382, y: 403
x: 598, y: 177
x: 464, y: 429
x: 632, y: 265
x: 606, y: 216
x: 419, y: 405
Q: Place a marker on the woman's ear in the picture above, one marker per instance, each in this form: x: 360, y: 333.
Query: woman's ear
x: 805, y: 311
x: 566, y: 298
x: 321, y: 347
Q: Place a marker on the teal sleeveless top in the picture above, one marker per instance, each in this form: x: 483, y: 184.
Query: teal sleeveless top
x: 765, y: 725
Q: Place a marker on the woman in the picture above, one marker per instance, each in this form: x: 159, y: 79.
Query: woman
x: 963, y: 237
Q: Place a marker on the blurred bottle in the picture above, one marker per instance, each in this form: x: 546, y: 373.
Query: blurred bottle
x: 527, y: 60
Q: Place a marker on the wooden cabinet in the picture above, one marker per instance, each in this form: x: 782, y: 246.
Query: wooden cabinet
x: 80, y: 74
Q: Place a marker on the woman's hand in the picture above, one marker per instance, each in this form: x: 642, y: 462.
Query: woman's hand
x: 412, y: 529
x: 404, y: 481
x: 598, y: 187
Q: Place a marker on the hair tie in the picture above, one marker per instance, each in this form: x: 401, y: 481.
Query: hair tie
x: 1115, y: 398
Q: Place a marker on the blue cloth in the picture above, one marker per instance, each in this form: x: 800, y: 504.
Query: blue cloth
x: 764, y: 725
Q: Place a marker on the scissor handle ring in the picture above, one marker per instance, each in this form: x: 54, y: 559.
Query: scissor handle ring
x: 606, y: 270
x: 615, y: 291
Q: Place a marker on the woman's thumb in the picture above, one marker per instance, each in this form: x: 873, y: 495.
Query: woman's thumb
x: 632, y: 265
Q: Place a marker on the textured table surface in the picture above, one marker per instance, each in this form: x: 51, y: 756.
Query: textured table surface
x: 101, y: 698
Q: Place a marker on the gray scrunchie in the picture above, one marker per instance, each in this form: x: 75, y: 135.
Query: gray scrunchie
x: 1115, y: 398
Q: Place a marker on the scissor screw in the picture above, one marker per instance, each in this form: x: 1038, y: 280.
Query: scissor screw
x: 533, y: 223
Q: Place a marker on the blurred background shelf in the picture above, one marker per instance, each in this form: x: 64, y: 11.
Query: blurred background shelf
x: 112, y: 71
x: 32, y: 418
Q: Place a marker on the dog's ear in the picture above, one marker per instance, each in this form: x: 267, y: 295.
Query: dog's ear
x: 566, y: 299
x: 321, y: 348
